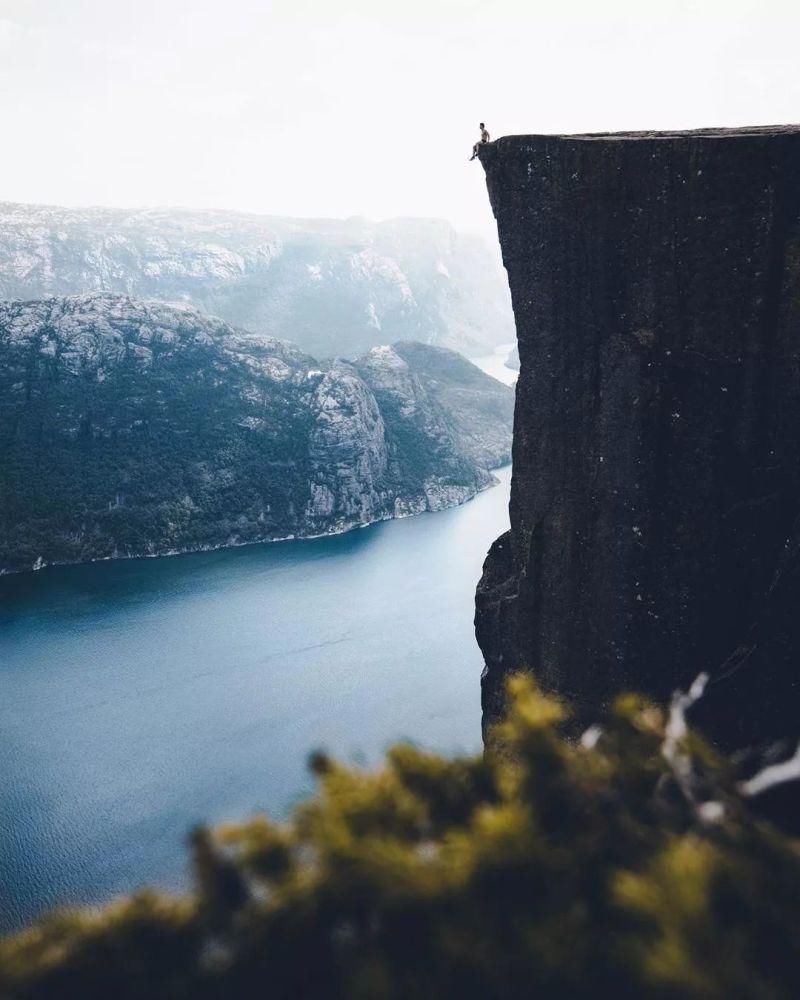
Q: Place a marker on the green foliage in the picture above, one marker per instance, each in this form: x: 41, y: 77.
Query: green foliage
x: 135, y: 429
x: 147, y: 458
x: 545, y: 867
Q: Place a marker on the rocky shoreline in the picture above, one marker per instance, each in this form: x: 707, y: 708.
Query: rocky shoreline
x: 330, y: 533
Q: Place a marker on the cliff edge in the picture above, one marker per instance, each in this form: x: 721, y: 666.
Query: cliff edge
x: 655, y: 280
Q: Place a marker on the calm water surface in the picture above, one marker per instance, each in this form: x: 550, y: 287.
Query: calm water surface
x: 140, y: 697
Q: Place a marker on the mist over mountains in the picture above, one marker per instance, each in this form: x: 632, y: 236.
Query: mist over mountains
x: 331, y: 287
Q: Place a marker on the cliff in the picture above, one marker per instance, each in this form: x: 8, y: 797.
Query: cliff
x: 137, y: 428
x: 331, y: 286
x: 655, y: 281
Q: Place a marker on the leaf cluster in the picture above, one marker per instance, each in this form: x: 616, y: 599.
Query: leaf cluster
x: 544, y: 867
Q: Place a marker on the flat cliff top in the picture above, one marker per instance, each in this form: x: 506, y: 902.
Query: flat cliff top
x: 701, y: 133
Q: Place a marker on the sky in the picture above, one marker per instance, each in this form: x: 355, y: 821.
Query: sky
x: 357, y: 107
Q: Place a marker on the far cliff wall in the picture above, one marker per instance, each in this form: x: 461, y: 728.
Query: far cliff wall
x: 655, y: 280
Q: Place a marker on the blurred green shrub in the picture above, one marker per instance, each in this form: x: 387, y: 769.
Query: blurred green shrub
x: 624, y: 865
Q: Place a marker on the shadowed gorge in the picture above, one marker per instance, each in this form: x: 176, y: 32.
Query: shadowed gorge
x: 655, y: 280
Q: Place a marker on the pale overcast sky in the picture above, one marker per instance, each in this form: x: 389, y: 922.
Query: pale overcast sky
x: 357, y: 107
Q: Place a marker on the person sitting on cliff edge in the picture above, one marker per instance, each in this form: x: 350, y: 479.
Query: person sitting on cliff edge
x: 485, y: 137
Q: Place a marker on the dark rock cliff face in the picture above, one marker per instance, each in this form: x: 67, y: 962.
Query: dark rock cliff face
x: 655, y: 280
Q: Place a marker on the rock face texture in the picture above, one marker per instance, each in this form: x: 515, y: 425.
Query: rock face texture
x: 655, y: 281
x: 477, y: 407
x: 330, y: 286
x: 133, y: 428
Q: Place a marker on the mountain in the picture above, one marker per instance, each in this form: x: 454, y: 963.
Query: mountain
x: 332, y: 287
x: 655, y: 499
x: 130, y: 427
x: 478, y: 406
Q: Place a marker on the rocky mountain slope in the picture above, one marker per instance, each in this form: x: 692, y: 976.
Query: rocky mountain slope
x: 478, y: 407
x: 332, y: 287
x: 130, y: 427
x: 655, y: 280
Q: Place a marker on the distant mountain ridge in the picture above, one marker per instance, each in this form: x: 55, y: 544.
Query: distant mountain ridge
x: 330, y: 286
x: 139, y: 428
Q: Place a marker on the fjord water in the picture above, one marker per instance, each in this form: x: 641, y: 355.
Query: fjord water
x: 138, y: 698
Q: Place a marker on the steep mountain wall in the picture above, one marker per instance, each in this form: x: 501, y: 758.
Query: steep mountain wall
x: 655, y: 281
